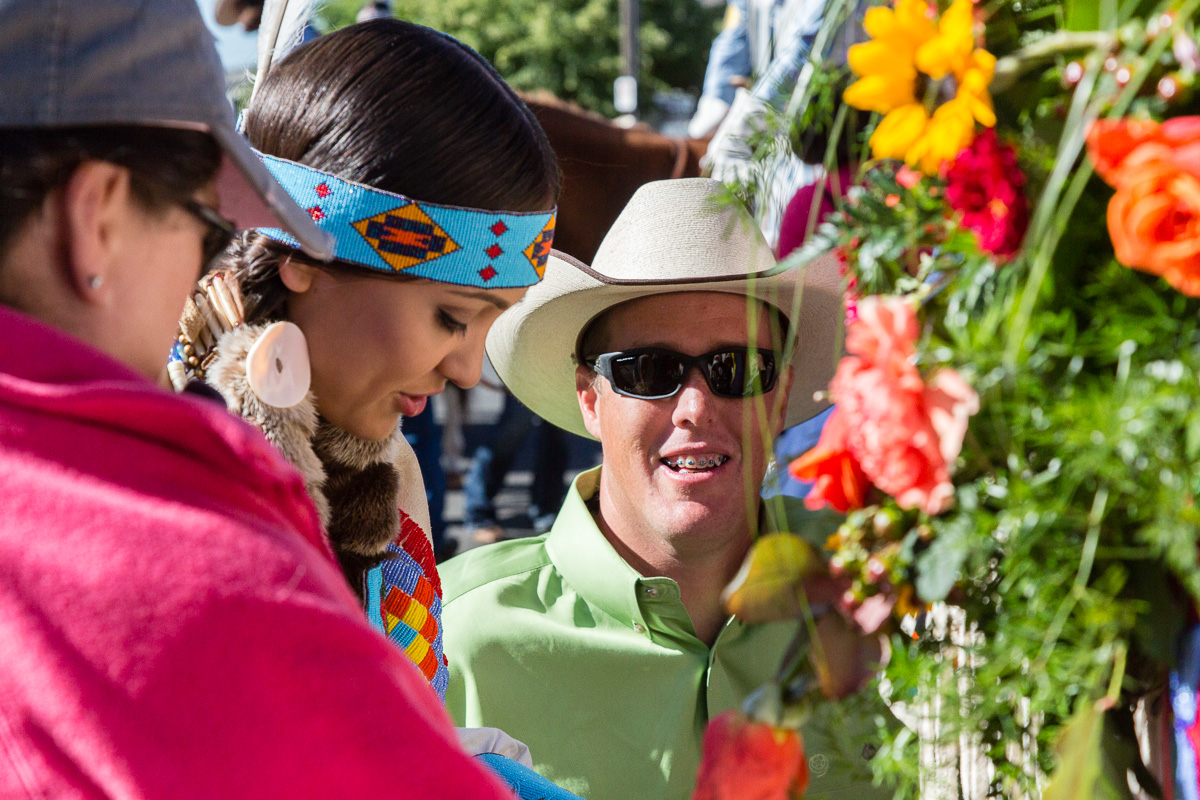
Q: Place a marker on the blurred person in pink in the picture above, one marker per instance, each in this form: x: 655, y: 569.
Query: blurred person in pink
x: 173, y: 622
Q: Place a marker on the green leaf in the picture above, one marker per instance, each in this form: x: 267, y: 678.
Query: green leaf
x: 939, y: 567
x: 1091, y: 760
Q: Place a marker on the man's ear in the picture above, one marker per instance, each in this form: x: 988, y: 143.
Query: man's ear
x: 296, y: 275
x: 783, y: 389
x: 95, y: 207
x: 585, y: 391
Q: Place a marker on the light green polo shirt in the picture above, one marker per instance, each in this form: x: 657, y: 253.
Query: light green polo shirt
x: 559, y: 642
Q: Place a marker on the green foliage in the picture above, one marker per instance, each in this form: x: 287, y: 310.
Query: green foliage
x: 568, y: 47
x: 1071, y: 550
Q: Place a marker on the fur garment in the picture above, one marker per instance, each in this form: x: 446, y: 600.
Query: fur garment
x: 358, y: 486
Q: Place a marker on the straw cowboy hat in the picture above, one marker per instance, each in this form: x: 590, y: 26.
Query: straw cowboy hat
x: 674, y: 236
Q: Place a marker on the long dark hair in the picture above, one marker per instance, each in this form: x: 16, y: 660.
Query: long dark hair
x: 399, y: 107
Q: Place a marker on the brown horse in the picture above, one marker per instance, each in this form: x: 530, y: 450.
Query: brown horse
x: 602, y: 166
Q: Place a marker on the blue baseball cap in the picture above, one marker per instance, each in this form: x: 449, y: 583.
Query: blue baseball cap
x: 67, y: 63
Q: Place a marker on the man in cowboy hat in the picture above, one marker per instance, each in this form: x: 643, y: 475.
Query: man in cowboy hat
x: 604, y: 644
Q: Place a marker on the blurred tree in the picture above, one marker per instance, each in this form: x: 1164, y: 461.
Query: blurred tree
x: 568, y: 47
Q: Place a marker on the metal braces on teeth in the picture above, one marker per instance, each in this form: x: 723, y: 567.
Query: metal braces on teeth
x: 690, y: 462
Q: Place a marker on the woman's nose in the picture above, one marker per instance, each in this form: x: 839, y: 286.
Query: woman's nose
x: 463, y: 366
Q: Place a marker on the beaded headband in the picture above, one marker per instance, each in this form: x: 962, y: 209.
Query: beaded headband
x: 394, y: 234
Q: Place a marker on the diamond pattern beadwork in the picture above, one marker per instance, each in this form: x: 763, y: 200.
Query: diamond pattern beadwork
x: 405, y: 236
x: 538, y: 251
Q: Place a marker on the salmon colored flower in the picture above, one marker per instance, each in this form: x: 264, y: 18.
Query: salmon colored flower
x: 748, y: 760
x: 838, y: 481
x: 902, y: 433
x: 906, y: 44
x: 1154, y: 217
x: 908, y: 178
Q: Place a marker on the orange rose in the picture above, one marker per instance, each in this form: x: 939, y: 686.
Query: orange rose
x: 838, y: 480
x: 1154, y: 217
x: 748, y: 760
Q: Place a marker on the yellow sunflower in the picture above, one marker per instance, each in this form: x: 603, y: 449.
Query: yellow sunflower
x: 908, y: 53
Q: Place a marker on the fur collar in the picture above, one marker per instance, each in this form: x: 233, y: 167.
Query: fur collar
x: 358, y: 486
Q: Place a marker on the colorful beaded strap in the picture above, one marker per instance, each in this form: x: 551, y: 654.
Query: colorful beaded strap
x: 395, y: 234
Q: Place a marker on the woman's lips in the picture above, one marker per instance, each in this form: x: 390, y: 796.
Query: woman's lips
x: 412, y: 405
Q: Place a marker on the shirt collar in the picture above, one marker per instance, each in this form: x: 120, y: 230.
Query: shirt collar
x: 587, y: 561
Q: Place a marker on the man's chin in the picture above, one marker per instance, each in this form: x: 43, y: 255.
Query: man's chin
x: 692, y: 519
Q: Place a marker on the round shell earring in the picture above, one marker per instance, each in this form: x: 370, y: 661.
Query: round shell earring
x: 277, y: 366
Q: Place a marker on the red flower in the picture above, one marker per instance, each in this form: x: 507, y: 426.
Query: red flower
x: 747, y: 760
x: 838, y: 481
x: 986, y: 186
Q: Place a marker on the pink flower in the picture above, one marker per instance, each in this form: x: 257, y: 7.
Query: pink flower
x: 908, y: 177
x: 985, y: 185
x: 903, y: 433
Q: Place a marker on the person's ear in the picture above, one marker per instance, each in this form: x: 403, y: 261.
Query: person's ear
x: 95, y: 209
x: 296, y: 275
x: 585, y: 391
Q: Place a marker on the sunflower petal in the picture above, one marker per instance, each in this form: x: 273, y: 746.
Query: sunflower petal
x: 879, y: 93
x: 897, y: 131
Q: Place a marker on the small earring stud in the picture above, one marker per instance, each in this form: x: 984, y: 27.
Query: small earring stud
x: 95, y: 282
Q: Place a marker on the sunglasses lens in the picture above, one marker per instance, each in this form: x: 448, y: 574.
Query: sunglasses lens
x: 218, y: 235
x: 647, y: 374
x: 741, y: 373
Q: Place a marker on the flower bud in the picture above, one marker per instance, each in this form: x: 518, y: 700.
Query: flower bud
x: 747, y: 759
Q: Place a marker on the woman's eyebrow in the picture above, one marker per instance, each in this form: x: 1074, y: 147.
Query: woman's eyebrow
x: 487, y: 297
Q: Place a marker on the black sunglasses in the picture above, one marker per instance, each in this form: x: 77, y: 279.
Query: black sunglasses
x: 652, y: 373
x: 219, y: 234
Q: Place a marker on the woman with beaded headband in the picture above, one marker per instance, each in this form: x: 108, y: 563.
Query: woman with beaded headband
x: 439, y: 187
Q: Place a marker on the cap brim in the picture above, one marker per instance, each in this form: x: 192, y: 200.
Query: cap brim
x: 252, y: 198
x: 532, y: 345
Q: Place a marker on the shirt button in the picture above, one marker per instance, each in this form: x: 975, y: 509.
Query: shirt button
x: 639, y: 627
x: 651, y: 591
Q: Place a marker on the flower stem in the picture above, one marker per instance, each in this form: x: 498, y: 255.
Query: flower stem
x: 1010, y: 68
